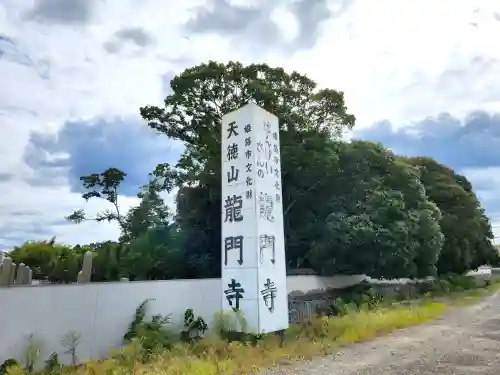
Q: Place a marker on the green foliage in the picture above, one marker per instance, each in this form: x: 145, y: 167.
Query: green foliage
x: 194, y: 328
x: 155, y: 255
x: 365, y: 296
x: 467, y: 230
x: 376, y: 218
x: 465, y: 282
x: 151, y: 213
x: 349, y: 207
x: 10, y: 362
x: 48, y: 260
x: 192, y: 115
x: 152, y: 334
x: 52, y: 363
x: 103, y: 186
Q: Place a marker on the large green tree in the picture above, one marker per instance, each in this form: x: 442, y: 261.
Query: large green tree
x: 378, y: 220
x: 467, y: 230
x: 192, y: 114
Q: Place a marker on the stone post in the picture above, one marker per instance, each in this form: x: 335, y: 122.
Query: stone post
x: 6, y: 270
x: 86, y: 272
x: 20, y: 274
x: 26, y: 275
x: 12, y: 273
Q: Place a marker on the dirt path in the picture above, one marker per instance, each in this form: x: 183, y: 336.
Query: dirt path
x: 464, y: 342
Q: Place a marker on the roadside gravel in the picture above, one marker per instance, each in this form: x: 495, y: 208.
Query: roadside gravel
x: 465, y: 341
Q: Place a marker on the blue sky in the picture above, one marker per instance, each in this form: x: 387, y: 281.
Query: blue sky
x: 74, y: 75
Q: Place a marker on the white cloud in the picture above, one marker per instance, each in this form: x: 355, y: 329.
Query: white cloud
x: 286, y: 22
x: 388, y: 56
x: 26, y: 208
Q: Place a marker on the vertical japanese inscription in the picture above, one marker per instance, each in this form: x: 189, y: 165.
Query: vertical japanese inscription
x: 233, y: 203
x: 267, y: 242
x: 248, y: 157
x: 234, y: 293
x: 233, y: 206
x: 233, y: 243
x: 268, y: 168
x: 266, y: 207
x: 269, y: 294
x: 252, y: 220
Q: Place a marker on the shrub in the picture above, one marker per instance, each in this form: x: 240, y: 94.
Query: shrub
x: 462, y: 282
x: 193, y: 328
x: 7, y: 364
x: 52, y: 363
x: 444, y: 286
x: 230, y: 325
x: 16, y: 370
x: 152, y: 333
x: 338, y: 307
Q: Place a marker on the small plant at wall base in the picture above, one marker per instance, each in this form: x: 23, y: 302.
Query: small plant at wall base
x: 31, y: 354
x: 194, y: 329
x: 52, y: 363
x: 153, y: 333
x: 16, y: 370
x: 8, y: 363
x: 230, y: 325
x: 70, y: 342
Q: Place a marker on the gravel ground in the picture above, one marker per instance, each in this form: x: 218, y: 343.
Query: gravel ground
x: 463, y: 342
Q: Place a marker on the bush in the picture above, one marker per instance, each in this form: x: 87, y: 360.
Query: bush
x: 193, y: 328
x: 446, y: 285
x: 11, y: 362
x: 152, y: 334
x: 52, y: 363
x: 461, y: 282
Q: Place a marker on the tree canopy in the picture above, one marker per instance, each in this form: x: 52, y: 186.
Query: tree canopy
x: 349, y: 207
x: 377, y: 219
x: 192, y: 114
x: 467, y: 230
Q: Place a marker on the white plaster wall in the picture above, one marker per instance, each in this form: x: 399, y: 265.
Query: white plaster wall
x: 305, y: 284
x: 101, y: 312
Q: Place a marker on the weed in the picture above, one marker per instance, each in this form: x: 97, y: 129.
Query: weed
x: 153, y: 334
x: 193, y: 328
x: 31, y: 353
x: 70, y: 342
x: 52, y: 363
x: 7, y: 364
